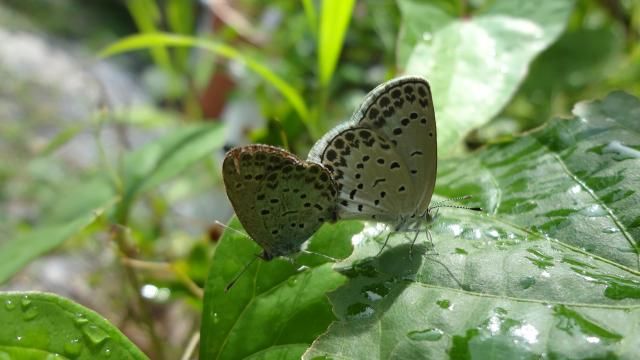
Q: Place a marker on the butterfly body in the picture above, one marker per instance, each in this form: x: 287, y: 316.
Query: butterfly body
x: 384, y: 159
x: 280, y: 199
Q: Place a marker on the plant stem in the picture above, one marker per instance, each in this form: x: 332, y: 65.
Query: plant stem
x: 126, y: 251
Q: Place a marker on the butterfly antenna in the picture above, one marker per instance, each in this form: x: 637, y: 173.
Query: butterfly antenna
x: 319, y: 254
x: 443, y: 203
x: 239, y: 274
x: 458, y: 198
x: 232, y: 229
x: 474, y: 208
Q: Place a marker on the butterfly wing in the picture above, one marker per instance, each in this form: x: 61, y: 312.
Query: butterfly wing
x: 401, y: 118
x: 368, y: 171
x: 279, y: 199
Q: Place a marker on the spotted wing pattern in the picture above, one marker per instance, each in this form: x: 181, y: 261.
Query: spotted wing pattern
x: 384, y: 160
x: 279, y: 199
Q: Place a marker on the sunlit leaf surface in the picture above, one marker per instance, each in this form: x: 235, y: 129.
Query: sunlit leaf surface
x: 550, y: 268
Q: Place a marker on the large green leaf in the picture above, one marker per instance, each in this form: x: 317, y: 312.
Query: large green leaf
x: 46, y: 326
x: 550, y: 269
x: 277, y: 308
x: 475, y: 64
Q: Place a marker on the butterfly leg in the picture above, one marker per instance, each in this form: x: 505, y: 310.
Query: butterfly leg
x: 415, y: 237
x: 385, y: 242
x: 430, y: 238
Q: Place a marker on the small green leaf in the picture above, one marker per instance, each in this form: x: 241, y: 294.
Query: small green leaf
x: 46, y: 326
x: 60, y: 139
x: 334, y: 22
x: 167, y: 157
x: 21, y: 249
x: 287, y: 299
x: 474, y: 65
x: 549, y: 268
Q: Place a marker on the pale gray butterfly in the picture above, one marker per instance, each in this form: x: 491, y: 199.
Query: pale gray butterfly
x: 384, y: 159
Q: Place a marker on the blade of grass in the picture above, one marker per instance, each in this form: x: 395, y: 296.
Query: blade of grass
x: 180, y: 19
x: 145, y: 13
x: 334, y: 21
x: 145, y: 41
x: 311, y: 14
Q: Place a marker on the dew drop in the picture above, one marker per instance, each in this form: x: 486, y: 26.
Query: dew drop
x: 575, y: 189
x: 624, y: 152
x: 359, y: 311
x: 9, y: 305
x: 73, y: 347
x: 107, y: 352
x: 526, y: 331
x: 493, y: 233
x: 375, y: 292
x: 527, y: 282
x: 80, y: 319
x: 30, y: 313
x: 25, y: 302
x: 432, y: 334
x: 94, y: 334
x: 216, y: 318
x: 610, y: 230
x: 594, y: 211
x: 456, y: 229
x: 445, y: 304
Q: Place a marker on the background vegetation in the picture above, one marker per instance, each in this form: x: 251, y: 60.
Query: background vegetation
x: 115, y: 115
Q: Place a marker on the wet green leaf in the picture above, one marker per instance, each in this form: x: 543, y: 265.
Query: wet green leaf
x: 46, y: 326
x: 549, y: 268
x: 475, y: 64
x: 277, y: 308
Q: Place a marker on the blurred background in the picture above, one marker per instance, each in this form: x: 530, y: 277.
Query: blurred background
x: 76, y: 128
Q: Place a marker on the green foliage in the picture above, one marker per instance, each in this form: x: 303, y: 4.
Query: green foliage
x: 136, y: 42
x: 46, y: 326
x: 551, y: 267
